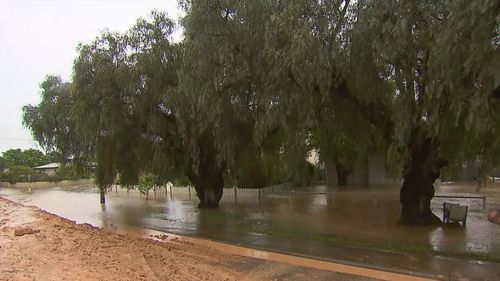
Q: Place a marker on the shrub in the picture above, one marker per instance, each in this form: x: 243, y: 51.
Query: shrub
x: 18, y: 173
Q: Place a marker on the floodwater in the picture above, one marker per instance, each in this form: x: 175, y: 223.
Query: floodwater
x: 317, y: 221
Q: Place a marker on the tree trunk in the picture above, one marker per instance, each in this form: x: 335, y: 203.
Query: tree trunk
x: 208, y: 187
x: 102, y: 194
x: 415, y: 197
x: 342, y: 174
x: 207, y: 178
x: 209, y: 195
x: 417, y: 191
x: 336, y: 172
x: 331, y: 173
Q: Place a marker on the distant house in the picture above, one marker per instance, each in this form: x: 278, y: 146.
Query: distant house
x: 48, y: 169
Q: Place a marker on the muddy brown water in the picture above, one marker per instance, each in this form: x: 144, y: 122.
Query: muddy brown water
x: 334, y: 224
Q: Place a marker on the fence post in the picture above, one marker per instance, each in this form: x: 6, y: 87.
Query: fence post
x: 189, y: 191
x: 259, y: 197
x: 235, y: 194
x: 484, y: 203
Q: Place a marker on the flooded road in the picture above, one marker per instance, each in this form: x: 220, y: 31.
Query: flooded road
x: 318, y: 221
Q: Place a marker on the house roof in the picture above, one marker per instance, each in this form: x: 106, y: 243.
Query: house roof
x: 47, y: 166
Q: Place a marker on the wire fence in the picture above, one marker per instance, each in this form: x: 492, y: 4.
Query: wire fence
x: 186, y: 192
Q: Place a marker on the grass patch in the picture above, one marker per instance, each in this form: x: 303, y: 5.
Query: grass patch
x: 264, y: 229
x: 469, y: 255
x: 283, y: 232
x: 388, y: 246
x: 369, y: 245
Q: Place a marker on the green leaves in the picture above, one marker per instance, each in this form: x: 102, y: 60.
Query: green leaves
x: 28, y: 158
x: 257, y: 82
x: 121, y: 82
x: 50, y: 121
x: 441, y: 58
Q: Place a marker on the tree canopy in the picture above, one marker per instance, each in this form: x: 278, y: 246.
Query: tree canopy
x: 443, y: 60
x: 53, y: 123
x: 254, y: 86
x: 27, y: 158
x: 17, y: 164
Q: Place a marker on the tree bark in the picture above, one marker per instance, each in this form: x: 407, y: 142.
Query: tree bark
x: 102, y: 194
x: 337, y: 176
x: 342, y: 173
x: 207, y: 178
x: 415, y: 197
x: 209, y: 195
x: 417, y: 190
x: 208, y: 186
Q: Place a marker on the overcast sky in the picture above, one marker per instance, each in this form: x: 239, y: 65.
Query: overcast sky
x: 39, y: 38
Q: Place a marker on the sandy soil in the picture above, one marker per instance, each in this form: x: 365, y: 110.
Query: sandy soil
x: 53, y: 248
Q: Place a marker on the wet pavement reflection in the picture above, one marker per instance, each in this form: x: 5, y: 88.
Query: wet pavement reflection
x: 320, y: 222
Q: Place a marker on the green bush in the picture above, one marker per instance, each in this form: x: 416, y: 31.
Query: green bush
x: 181, y: 181
x: 146, y: 183
x: 18, y: 173
x: 67, y: 172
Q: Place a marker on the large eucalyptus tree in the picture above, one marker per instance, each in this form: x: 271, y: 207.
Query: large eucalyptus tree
x: 127, y: 87
x: 443, y: 60
x: 54, y: 126
x: 280, y: 69
x: 224, y: 72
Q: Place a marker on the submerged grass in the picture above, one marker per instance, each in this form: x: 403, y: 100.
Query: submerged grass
x: 242, y: 223
x: 275, y: 232
x: 387, y: 246
x: 260, y: 228
x: 470, y: 255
